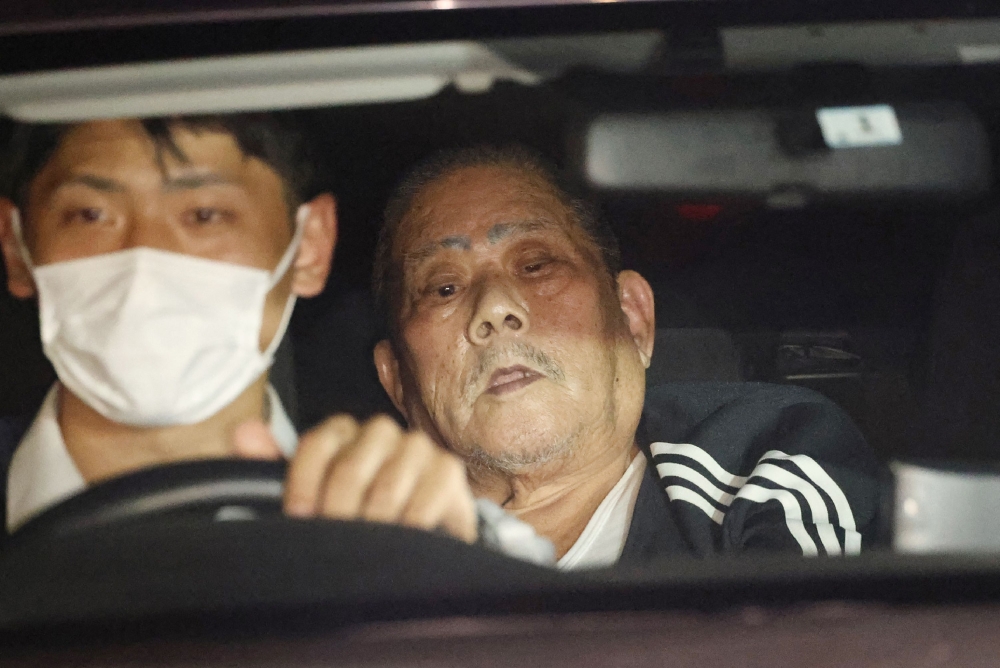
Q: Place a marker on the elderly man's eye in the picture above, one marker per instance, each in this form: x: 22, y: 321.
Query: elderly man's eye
x: 446, y: 290
x: 535, y: 266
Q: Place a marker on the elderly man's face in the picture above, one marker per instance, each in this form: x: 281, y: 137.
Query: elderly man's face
x: 513, y: 346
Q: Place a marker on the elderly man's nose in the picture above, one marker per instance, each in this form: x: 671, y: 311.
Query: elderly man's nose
x: 486, y: 327
x: 498, y: 312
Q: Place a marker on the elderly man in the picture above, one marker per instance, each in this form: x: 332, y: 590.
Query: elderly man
x: 517, y: 343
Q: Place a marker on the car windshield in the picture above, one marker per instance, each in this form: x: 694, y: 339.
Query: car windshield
x: 793, y: 218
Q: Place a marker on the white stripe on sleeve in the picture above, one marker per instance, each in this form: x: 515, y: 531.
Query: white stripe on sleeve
x: 793, y: 513
x: 671, y: 469
x: 700, y: 456
x: 817, y: 506
x: 815, y: 479
x: 681, y: 493
x: 822, y: 479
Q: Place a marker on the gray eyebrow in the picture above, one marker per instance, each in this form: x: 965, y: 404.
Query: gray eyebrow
x: 460, y: 242
x: 501, y: 230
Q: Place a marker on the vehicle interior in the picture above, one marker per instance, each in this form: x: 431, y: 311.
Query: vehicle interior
x: 846, y: 283
x: 814, y: 202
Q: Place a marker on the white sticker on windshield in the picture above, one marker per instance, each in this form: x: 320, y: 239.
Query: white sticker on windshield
x: 853, y: 127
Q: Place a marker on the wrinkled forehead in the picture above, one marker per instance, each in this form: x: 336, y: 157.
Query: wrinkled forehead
x: 472, y: 205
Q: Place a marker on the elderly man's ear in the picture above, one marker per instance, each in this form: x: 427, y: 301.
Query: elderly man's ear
x: 388, y: 374
x: 19, y: 281
x: 636, y: 298
x: 319, y: 237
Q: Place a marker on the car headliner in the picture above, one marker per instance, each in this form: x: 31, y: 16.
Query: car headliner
x: 36, y: 36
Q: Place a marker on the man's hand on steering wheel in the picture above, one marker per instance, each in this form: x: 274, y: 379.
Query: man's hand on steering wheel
x: 373, y: 471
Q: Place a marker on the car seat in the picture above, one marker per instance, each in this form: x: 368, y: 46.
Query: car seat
x: 693, y: 353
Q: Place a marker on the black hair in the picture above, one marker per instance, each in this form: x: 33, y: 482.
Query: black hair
x: 387, y: 275
x: 259, y: 135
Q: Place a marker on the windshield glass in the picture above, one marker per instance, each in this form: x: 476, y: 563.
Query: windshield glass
x: 599, y: 302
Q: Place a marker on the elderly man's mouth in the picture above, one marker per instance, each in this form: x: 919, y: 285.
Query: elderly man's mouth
x: 510, y: 379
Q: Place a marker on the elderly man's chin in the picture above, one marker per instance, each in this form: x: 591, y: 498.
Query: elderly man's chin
x: 515, y: 432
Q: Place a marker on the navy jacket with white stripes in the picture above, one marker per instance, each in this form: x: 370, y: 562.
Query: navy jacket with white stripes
x: 737, y: 467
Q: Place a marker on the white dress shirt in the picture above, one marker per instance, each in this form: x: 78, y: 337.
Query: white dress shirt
x: 603, y: 539
x: 42, y: 473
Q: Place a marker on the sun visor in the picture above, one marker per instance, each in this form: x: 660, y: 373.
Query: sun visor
x: 790, y: 157
x: 256, y: 82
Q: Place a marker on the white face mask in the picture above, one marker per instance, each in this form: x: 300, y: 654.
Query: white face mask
x: 149, y: 338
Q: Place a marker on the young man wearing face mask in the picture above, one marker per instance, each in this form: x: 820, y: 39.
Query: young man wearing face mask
x: 166, y: 256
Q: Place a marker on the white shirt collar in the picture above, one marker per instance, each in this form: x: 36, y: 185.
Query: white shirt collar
x: 42, y: 473
x: 603, y: 539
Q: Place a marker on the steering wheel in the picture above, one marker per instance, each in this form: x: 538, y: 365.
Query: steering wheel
x: 216, y: 488
x: 122, y: 550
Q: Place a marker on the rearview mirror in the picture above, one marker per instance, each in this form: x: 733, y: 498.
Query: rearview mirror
x: 935, y: 150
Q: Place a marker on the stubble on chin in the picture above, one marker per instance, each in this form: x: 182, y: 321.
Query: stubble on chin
x: 522, y: 461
